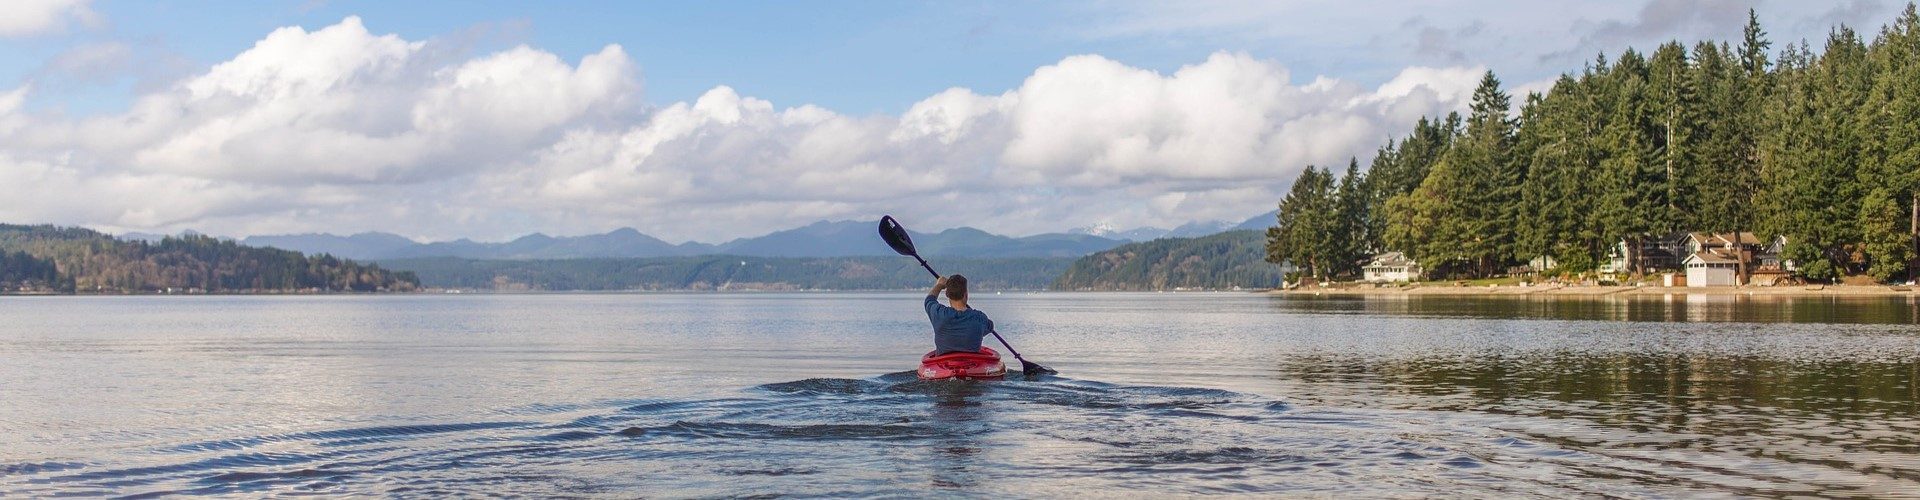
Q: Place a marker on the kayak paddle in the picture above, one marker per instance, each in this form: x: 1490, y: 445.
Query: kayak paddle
x: 897, y: 238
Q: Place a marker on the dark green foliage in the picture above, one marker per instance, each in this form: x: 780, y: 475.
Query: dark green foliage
x: 1307, y: 229
x: 1220, y: 261
x: 1820, y: 148
x: 1811, y: 152
x: 728, y: 273
x: 1322, y: 226
x: 1488, y: 199
x: 1889, y: 173
x: 1464, y: 214
x: 1558, y: 142
x: 22, y: 272
x: 1351, y: 212
x: 88, y: 261
x: 1399, y: 168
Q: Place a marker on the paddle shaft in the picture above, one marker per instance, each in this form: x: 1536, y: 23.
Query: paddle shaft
x: 996, y: 335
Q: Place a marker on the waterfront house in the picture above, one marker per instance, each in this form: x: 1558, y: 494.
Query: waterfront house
x: 1712, y: 268
x: 1391, y: 267
x: 1772, y: 268
x: 1541, y: 264
x: 1733, y: 242
x: 1716, y: 259
x: 1656, y: 253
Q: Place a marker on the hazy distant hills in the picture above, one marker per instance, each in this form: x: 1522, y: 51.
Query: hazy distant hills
x: 820, y: 239
x: 836, y: 255
x: 1258, y: 222
x: 1193, y: 229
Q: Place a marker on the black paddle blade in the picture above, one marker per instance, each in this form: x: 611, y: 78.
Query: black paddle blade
x: 1030, y: 369
x: 896, y: 236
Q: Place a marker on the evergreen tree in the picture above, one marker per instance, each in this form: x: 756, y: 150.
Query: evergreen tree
x: 1673, y: 134
x: 1400, y: 168
x: 1488, y: 201
x: 1557, y: 139
x: 1822, y: 149
x: 1812, y: 152
x: 1633, y: 203
x: 1890, y: 159
x: 1350, y: 215
x: 1305, y: 221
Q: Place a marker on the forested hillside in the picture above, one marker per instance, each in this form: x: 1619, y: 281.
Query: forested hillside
x: 1821, y: 147
x: 728, y: 273
x: 61, y: 259
x: 1220, y: 261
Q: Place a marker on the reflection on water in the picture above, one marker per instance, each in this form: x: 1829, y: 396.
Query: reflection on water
x: 1672, y: 307
x: 895, y: 436
x: 805, y: 394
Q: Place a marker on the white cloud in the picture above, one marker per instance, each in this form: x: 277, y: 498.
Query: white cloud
x: 339, y: 129
x: 1082, y: 140
x: 341, y: 105
x: 11, y: 100
x: 21, y: 18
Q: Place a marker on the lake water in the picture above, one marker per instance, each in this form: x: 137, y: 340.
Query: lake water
x: 810, y: 394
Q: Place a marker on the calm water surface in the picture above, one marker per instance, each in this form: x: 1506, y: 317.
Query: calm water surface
x: 811, y: 395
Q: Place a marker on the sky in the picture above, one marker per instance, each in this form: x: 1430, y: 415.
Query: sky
x: 708, y: 121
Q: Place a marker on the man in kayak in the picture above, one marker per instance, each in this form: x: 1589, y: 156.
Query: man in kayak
x: 957, y: 328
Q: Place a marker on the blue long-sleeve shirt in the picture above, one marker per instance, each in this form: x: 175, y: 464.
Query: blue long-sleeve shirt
x: 955, y: 330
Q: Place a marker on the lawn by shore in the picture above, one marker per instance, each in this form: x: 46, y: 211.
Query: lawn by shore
x: 1439, y: 289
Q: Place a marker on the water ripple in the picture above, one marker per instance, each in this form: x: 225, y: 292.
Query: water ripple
x: 1014, y: 437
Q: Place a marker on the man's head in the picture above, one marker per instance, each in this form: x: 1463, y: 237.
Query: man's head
x: 956, y: 287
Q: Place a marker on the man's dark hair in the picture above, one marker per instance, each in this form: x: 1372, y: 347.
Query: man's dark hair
x: 956, y: 287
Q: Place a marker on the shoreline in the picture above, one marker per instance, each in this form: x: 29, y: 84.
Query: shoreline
x: 1608, y: 291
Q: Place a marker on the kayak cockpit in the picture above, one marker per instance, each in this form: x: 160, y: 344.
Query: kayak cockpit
x: 984, y: 364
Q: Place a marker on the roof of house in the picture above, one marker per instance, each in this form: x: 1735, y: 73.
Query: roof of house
x: 1722, y: 239
x: 1710, y: 257
x: 1391, y: 259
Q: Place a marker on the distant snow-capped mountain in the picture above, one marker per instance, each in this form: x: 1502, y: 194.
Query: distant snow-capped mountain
x: 1193, y: 229
x: 820, y: 239
x: 1107, y: 230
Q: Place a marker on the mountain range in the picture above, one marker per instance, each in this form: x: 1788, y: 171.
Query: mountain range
x: 1193, y: 229
x: 846, y: 238
x: 820, y: 239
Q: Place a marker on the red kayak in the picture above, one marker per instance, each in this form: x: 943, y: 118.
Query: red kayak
x: 962, y: 365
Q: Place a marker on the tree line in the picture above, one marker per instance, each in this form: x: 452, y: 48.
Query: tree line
x: 1821, y: 148
x: 69, y: 260
x: 1219, y: 261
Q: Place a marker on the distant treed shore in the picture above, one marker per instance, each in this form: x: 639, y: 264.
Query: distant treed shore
x: 1819, y: 149
x: 48, y: 259
x: 726, y: 273
x: 1224, y: 261
x: 57, y: 260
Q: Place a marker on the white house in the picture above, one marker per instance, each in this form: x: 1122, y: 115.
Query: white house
x: 1712, y: 268
x: 1722, y: 253
x: 1391, y: 266
x: 1542, y: 264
